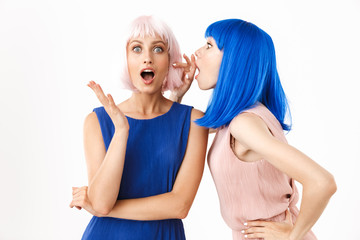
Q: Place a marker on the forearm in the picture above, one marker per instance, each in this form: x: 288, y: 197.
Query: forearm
x: 159, y: 207
x: 104, y: 186
x: 314, y: 200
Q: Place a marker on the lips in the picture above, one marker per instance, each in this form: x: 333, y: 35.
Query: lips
x: 147, y: 75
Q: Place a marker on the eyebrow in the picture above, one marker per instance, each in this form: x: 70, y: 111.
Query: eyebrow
x: 153, y: 42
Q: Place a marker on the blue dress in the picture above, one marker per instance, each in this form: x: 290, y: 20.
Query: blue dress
x: 154, y: 153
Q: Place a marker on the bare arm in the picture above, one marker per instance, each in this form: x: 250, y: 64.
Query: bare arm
x: 318, y: 184
x: 104, y: 167
x: 177, y: 203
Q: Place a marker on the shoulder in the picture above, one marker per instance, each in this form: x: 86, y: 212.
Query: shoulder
x: 91, y: 121
x: 196, y: 114
x: 246, y: 125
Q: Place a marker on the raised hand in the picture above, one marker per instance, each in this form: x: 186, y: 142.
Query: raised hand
x: 270, y: 230
x: 187, y: 78
x: 116, y: 115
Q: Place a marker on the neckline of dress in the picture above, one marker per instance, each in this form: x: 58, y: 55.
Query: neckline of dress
x: 145, y: 119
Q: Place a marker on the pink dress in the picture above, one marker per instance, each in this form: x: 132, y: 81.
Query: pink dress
x: 251, y: 190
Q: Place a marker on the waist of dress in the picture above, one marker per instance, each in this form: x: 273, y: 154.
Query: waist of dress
x: 165, y: 221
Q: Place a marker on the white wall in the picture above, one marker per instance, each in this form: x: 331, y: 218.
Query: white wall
x: 49, y: 50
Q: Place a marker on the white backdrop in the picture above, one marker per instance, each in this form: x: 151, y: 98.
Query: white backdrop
x: 49, y: 50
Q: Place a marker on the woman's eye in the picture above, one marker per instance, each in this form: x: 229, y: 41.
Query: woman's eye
x: 158, y: 49
x: 208, y: 45
x: 137, y: 49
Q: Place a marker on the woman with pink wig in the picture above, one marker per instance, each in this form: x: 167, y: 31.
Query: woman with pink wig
x: 145, y: 156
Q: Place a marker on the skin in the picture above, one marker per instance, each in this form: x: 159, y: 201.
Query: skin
x: 254, y: 141
x: 105, y: 168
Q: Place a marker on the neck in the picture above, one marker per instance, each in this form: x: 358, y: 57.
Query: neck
x: 147, y: 104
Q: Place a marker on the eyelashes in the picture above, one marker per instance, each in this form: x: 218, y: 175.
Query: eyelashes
x: 156, y: 49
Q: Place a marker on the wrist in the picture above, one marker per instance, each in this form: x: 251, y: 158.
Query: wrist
x: 175, y: 97
x: 121, y: 132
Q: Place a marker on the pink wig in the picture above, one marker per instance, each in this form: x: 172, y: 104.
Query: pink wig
x: 150, y: 26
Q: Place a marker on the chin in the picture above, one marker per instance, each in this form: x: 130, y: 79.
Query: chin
x: 203, y: 86
x: 148, y: 89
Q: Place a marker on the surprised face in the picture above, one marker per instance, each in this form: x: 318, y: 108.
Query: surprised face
x: 148, y: 63
x: 208, y: 62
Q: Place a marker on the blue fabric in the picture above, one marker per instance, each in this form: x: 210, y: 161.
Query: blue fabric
x: 154, y: 153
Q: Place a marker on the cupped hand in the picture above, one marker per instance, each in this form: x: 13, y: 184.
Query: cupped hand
x: 269, y: 230
x: 188, y: 75
x: 81, y: 201
x: 116, y: 115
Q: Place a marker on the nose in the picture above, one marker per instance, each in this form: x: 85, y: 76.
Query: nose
x: 197, y: 53
x: 147, y: 58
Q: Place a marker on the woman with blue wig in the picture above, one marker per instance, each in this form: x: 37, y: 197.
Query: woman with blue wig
x: 253, y: 166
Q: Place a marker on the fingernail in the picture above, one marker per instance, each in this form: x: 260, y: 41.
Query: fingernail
x: 174, y: 64
x: 187, y: 76
x: 245, y: 236
x: 245, y: 224
x: 242, y: 231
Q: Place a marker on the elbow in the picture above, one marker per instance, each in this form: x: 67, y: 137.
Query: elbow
x: 101, y: 209
x: 183, y: 210
x: 331, y: 185
x: 327, y: 185
x: 183, y: 214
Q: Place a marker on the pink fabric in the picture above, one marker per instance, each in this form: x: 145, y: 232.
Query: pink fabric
x: 251, y: 190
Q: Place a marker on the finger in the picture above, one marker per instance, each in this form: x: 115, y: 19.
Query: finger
x: 254, y: 230
x: 256, y: 224
x: 78, y: 202
x: 193, y: 65
x: 76, y: 190
x: 99, y: 93
x: 71, y: 205
x: 192, y: 69
x: 288, y: 216
x: 254, y: 235
x: 111, y: 100
x: 180, y: 65
x: 79, y: 194
x: 187, y: 59
x: 91, y: 84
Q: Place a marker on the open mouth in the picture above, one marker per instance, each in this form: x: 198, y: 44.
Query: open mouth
x: 147, y: 75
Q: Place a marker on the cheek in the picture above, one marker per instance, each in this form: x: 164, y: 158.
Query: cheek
x: 164, y: 65
x: 130, y: 65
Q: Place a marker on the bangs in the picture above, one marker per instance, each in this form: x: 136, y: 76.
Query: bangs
x: 250, y: 51
x: 149, y: 26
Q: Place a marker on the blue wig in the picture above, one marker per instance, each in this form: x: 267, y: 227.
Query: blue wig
x: 247, y: 74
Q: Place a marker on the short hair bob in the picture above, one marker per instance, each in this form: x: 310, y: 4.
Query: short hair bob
x: 247, y: 74
x: 151, y: 26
